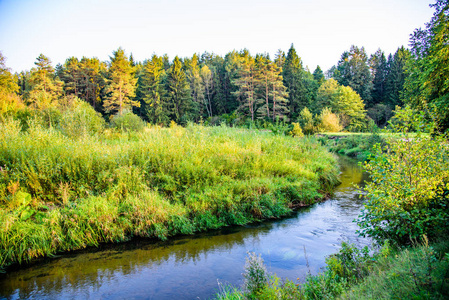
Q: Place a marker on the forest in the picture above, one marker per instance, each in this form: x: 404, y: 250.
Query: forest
x: 239, y: 89
x: 357, y: 94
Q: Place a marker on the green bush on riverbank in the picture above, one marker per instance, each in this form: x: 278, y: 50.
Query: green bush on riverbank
x: 420, y: 272
x: 59, y: 193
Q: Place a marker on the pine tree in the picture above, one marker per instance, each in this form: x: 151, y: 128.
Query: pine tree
x: 245, y: 79
x: 279, y: 59
x: 121, y: 84
x: 71, y: 74
x: 264, y: 77
x: 93, y: 80
x: 45, y: 88
x: 278, y: 94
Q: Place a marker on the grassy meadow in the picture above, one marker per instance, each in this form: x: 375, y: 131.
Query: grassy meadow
x: 61, y: 193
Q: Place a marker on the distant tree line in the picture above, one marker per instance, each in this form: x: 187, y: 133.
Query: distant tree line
x: 240, y: 88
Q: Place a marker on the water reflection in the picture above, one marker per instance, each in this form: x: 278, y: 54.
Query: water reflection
x: 189, y: 267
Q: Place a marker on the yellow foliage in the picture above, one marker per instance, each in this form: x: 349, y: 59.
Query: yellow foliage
x: 329, y: 122
x: 296, y: 131
x: 10, y: 102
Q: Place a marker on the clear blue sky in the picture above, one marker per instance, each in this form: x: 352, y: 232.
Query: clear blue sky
x: 319, y: 29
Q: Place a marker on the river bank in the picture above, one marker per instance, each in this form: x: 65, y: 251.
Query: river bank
x: 62, y: 194
x: 355, y: 145
x: 186, y: 267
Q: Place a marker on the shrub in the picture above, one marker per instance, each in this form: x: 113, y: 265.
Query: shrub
x: 81, y: 119
x: 127, y: 121
x: 10, y: 103
x: 409, y: 192
x: 296, y: 131
x: 307, y: 122
x: 329, y: 122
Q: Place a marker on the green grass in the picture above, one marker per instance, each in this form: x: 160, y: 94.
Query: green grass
x: 59, y: 193
x: 356, y: 145
x: 420, y: 272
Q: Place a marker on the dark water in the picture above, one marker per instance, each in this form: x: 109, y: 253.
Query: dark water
x: 191, y: 267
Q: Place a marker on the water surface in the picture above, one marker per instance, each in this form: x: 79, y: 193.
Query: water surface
x: 190, y: 267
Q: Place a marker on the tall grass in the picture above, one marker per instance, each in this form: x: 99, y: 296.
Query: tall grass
x: 60, y: 193
x: 419, y: 272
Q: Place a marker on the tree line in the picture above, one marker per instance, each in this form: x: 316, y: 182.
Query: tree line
x: 360, y: 90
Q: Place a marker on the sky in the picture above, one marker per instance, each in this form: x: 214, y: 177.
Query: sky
x: 320, y: 30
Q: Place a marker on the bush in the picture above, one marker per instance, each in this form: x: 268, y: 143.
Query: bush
x: 307, y: 121
x: 296, y: 131
x: 81, y: 119
x: 127, y: 121
x: 409, y: 192
x: 329, y: 122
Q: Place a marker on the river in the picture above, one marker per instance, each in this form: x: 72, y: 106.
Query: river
x: 190, y: 267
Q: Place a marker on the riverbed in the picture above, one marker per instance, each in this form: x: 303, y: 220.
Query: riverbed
x: 192, y: 267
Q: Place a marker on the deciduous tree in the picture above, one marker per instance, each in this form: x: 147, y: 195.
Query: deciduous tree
x: 428, y: 71
x: 8, y: 82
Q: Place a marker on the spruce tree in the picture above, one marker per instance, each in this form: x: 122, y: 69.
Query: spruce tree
x: 178, y: 93
x: 298, y: 82
x: 353, y: 71
x: 151, y: 91
x: 379, y: 69
x: 395, y: 80
x: 318, y: 75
